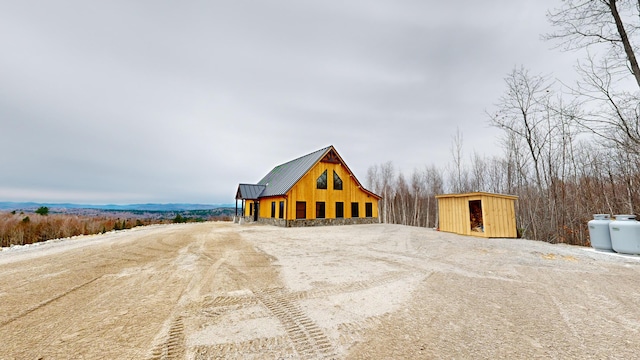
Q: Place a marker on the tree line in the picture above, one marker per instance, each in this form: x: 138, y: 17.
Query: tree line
x: 568, y: 150
x: 20, y: 228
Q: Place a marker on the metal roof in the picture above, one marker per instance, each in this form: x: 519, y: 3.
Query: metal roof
x: 282, y: 178
x: 477, y: 193
x: 249, y: 191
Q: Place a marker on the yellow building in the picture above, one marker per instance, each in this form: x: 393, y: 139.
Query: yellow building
x: 315, y: 189
x: 478, y: 214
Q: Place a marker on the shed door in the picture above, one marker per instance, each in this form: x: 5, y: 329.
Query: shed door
x: 475, y: 216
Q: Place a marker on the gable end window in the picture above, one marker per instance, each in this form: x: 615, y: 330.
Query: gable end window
x: 337, y: 182
x: 321, y: 183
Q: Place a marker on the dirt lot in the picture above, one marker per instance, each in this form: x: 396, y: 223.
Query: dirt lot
x: 221, y: 290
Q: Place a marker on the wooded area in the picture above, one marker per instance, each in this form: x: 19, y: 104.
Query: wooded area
x: 21, y: 228
x: 569, y: 151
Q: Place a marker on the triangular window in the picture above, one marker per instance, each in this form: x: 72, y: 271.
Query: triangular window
x: 337, y: 182
x: 321, y: 183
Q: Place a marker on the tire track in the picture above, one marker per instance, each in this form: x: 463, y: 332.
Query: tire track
x: 348, y: 287
x: 47, y: 302
x: 308, y: 339
x: 173, y: 347
x: 223, y: 301
x: 278, y: 347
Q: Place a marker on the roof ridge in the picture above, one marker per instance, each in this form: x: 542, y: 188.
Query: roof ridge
x: 311, y: 153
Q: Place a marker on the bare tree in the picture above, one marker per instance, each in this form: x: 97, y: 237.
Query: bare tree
x: 458, y: 174
x: 477, y: 182
x: 418, y: 186
x: 606, y: 23
x: 435, y: 186
x: 523, y: 111
x: 614, y: 114
x: 605, y: 87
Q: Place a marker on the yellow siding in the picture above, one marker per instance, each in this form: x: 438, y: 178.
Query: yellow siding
x: 265, y: 206
x: 305, y: 190
x: 247, y: 207
x: 498, y: 214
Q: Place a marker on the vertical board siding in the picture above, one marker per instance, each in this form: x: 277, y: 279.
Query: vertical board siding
x: 265, y: 206
x: 305, y: 190
x: 247, y: 206
x: 498, y: 214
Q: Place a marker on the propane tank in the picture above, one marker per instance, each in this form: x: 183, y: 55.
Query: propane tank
x: 599, y: 232
x: 625, y: 234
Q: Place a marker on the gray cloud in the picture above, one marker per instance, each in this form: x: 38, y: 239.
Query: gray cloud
x: 152, y: 101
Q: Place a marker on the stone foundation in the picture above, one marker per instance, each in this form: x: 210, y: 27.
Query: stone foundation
x: 306, y: 222
x: 272, y: 221
x: 318, y: 222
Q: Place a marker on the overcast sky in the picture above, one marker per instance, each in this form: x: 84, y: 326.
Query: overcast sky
x: 179, y: 101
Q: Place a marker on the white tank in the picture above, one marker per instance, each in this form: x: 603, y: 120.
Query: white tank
x: 599, y: 232
x: 625, y: 234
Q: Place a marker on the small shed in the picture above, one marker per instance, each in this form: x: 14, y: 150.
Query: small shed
x: 478, y: 214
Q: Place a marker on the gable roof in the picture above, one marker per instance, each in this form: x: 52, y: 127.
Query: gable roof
x: 283, y: 177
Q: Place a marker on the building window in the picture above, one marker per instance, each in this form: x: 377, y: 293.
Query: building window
x: 273, y: 209
x: 337, y: 182
x: 339, y: 210
x: 281, y: 213
x: 368, y: 209
x: 320, y: 210
x: 354, y: 210
x: 250, y: 209
x: 322, y: 181
x: 301, y: 210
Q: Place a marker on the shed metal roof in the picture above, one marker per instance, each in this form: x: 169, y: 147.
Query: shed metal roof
x: 477, y: 193
x: 249, y: 191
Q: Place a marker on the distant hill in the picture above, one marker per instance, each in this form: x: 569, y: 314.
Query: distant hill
x: 139, y: 207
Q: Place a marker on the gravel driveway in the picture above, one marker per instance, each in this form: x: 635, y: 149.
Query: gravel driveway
x: 222, y: 290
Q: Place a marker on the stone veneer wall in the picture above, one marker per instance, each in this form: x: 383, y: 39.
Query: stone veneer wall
x: 330, y: 222
x: 272, y: 221
x: 243, y: 219
x: 310, y: 222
